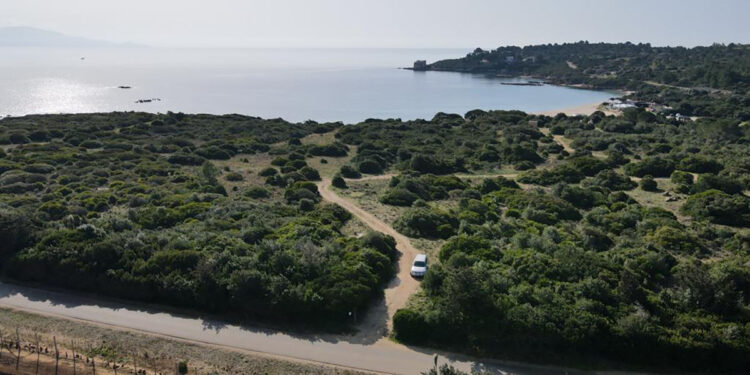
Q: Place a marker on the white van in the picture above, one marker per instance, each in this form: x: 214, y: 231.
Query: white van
x: 419, y: 266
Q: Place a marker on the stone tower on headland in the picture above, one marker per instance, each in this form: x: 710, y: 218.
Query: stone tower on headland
x: 420, y: 65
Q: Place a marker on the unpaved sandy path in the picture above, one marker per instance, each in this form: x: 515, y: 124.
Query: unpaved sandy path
x: 398, y: 291
x: 565, y: 143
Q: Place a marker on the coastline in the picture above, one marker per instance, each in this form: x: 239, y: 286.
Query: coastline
x: 583, y: 109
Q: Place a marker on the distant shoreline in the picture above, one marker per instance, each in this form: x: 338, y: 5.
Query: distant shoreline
x: 583, y: 109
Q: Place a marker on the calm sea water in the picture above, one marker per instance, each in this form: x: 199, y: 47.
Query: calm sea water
x: 347, y: 85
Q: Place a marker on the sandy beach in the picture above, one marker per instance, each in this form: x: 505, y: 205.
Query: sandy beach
x: 584, y: 109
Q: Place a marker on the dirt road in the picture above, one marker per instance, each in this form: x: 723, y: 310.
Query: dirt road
x: 398, y: 291
x: 382, y: 356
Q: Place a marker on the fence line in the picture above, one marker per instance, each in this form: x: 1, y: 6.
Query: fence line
x: 32, y: 355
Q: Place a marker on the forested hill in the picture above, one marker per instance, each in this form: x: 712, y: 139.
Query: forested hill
x: 609, y: 65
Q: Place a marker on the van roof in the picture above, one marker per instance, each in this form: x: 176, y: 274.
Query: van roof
x: 421, y: 257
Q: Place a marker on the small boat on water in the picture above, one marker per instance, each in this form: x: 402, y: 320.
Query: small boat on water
x: 124, y: 87
x: 141, y: 101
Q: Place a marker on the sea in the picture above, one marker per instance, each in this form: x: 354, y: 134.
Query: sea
x: 348, y: 85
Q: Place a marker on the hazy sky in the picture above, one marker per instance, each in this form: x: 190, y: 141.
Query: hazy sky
x: 386, y: 23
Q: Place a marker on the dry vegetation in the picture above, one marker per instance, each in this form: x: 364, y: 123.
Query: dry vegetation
x: 108, y: 347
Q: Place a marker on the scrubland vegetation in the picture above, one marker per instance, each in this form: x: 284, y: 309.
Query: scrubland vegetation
x: 573, y: 265
x: 613, y: 65
x: 136, y: 205
x: 630, y: 243
x: 562, y: 258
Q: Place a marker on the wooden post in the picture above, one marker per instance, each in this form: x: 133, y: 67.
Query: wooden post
x: 57, y: 353
x: 2, y: 343
x: 36, y: 337
x: 73, y: 347
x: 18, y: 345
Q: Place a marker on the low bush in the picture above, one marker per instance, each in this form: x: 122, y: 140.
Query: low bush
x: 268, y: 171
x: 234, y: 177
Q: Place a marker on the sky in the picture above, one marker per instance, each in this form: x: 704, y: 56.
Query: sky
x: 386, y: 23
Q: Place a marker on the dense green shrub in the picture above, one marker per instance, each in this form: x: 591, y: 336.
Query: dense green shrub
x: 517, y: 199
x: 279, y: 161
x: 339, y: 182
x: 719, y: 207
x: 588, y: 165
x: 302, y: 190
x: 656, y: 167
x: 426, y: 222
x: 186, y: 159
x: 268, y: 171
x: 306, y: 204
x: 19, y: 138
x: 681, y: 178
x: 336, y: 149
x: 310, y: 174
x: 295, y: 164
x: 699, y: 164
x: 577, y: 196
x: 648, y: 183
x: 349, y: 172
x: 611, y: 180
x: 91, y: 144
x: 410, y: 327
x: 398, y: 197
x: 383, y: 243
x: 234, y: 176
x: 370, y: 167
x: 546, y: 177
x: 431, y: 164
x: 257, y: 192
x: 405, y: 190
x: 469, y: 245
x: 255, y: 234
x: 15, y: 231
x: 708, y: 182
x: 489, y: 185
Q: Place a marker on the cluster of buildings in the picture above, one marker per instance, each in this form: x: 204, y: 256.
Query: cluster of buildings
x: 618, y: 104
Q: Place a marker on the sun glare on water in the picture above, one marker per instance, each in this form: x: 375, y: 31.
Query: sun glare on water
x: 60, y: 95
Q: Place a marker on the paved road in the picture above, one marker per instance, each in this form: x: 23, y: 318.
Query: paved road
x: 381, y: 356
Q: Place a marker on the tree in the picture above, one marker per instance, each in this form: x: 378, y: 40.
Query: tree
x: 648, y: 183
x: 349, y: 172
x: 268, y: 171
x: 339, y: 182
x: 470, y: 245
x: 719, y: 207
x: 655, y: 166
x: 383, y: 243
x: 410, y: 327
x: 398, y: 197
x: 15, y: 231
x: 370, y: 167
x: 708, y: 182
